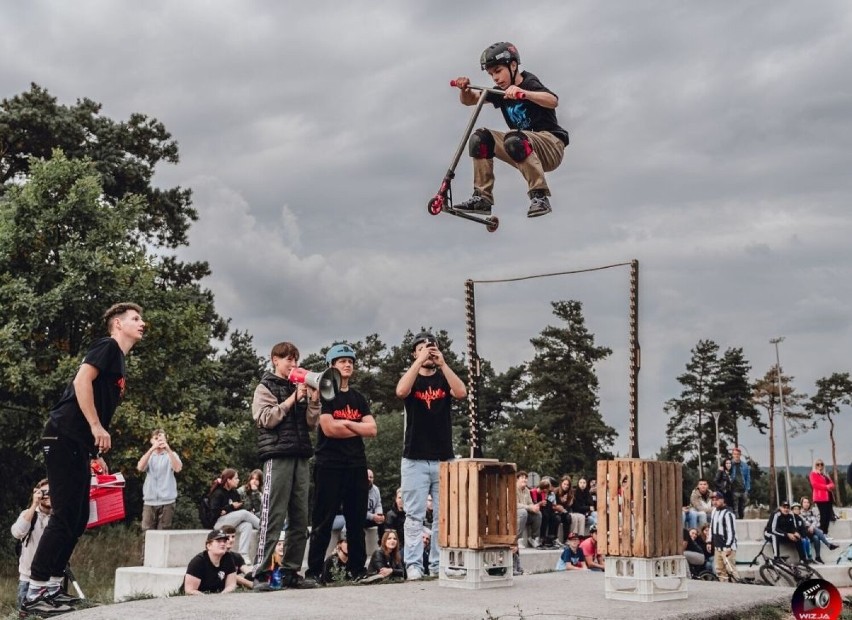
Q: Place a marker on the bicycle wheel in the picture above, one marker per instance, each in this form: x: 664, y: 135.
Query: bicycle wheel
x: 769, y: 574
x: 706, y: 575
x: 850, y: 574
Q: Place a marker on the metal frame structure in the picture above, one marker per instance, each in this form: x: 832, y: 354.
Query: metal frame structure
x: 474, y: 369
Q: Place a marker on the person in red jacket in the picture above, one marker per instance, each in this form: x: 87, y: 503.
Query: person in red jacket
x: 823, y: 489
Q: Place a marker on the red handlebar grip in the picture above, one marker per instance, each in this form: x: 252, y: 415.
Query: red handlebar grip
x: 452, y: 83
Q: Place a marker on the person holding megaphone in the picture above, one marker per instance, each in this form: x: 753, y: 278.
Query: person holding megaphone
x: 285, y: 414
x: 340, y: 470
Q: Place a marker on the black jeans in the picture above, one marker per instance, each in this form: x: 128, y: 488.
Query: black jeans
x: 334, y: 487
x: 69, y: 476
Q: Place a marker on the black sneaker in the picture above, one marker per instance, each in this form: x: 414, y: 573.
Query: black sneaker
x: 63, y: 598
x: 832, y: 546
x: 818, y: 560
x: 261, y: 583
x: 43, y: 607
x: 476, y: 204
x: 539, y: 204
x: 296, y: 581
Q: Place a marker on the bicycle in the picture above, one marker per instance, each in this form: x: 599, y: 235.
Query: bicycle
x: 846, y: 556
x: 775, y: 570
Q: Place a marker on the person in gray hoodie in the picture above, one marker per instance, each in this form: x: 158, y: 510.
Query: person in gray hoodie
x: 159, y: 493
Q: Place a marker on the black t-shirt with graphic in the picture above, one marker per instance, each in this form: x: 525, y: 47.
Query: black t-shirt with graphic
x: 349, y: 451
x: 67, y: 418
x: 428, y: 423
x: 212, y: 577
x: 526, y: 115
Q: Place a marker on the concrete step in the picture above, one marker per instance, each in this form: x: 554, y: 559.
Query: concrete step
x: 752, y: 529
x: 748, y: 550
x: 167, y: 553
x: 539, y: 560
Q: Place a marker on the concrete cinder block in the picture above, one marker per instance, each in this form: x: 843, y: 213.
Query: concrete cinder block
x: 136, y: 581
x: 174, y: 548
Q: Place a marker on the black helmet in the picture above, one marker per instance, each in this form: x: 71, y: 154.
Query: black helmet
x: 423, y: 337
x: 499, y: 54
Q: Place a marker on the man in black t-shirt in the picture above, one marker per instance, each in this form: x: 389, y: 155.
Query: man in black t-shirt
x: 78, y: 430
x: 536, y: 142
x: 340, y: 470
x: 212, y: 571
x: 428, y: 387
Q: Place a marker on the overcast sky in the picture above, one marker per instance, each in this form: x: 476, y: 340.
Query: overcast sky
x: 712, y: 141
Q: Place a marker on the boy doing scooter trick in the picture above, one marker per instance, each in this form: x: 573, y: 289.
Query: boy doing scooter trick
x: 534, y: 145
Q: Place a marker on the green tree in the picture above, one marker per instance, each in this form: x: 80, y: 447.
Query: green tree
x: 690, y: 430
x: 125, y: 155
x: 733, y: 392
x: 832, y: 393
x: 563, y: 391
x: 79, y: 230
x: 765, y: 396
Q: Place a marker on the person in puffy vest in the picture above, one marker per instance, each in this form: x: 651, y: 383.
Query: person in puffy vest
x: 285, y: 415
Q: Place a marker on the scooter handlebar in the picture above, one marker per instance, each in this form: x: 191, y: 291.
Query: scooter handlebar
x: 496, y: 91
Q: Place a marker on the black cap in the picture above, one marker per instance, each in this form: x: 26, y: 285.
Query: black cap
x: 217, y: 535
x: 423, y: 337
x: 784, y: 504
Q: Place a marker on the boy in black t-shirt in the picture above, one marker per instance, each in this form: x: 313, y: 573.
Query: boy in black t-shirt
x: 340, y: 470
x: 536, y: 143
x: 78, y: 430
x: 427, y: 387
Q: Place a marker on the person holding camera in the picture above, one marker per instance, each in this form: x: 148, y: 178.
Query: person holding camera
x: 28, y: 530
x: 159, y: 493
x: 427, y: 387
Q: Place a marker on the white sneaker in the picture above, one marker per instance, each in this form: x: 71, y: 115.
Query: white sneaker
x: 414, y: 574
x: 522, y: 544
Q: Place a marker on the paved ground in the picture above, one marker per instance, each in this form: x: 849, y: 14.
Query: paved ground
x: 548, y: 595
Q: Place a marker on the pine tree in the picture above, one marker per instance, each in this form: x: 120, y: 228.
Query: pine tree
x: 691, y: 429
x: 563, y: 391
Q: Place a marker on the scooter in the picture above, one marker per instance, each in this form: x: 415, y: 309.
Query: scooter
x: 442, y: 202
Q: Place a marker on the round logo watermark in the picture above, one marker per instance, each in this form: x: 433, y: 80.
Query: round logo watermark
x: 817, y: 599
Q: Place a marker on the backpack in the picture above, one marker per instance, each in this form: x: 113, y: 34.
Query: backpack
x: 205, y: 513
x: 21, y: 542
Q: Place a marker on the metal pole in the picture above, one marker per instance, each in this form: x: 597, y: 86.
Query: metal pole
x: 635, y: 359
x: 716, y: 415
x: 775, y: 341
x: 473, y: 369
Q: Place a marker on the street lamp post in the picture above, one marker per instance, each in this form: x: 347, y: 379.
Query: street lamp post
x: 716, y: 415
x: 776, y: 341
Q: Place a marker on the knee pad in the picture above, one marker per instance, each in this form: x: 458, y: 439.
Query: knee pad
x: 517, y: 146
x: 481, y: 144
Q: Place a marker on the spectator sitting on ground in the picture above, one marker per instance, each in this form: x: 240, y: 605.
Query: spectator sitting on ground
x: 706, y: 541
x: 245, y: 572
x: 386, y: 562
x: 251, y: 493
x: 589, y: 547
x: 211, y: 571
x: 529, y: 512
x: 226, y: 504
x: 700, y: 505
x: 159, y: 492
x: 546, y: 499
x: 572, y: 557
x: 28, y: 529
x: 395, y: 518
x: 334, y: 568
x: 696, y: 550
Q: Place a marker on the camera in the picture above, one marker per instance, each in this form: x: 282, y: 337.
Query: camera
x: 816, y: 598
x: 45, y: 493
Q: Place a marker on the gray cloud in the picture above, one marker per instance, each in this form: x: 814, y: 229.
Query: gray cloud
x: 710, y: 141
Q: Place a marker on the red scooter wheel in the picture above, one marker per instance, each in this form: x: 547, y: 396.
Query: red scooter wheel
x: 436, y: 205
x: 493, y: 223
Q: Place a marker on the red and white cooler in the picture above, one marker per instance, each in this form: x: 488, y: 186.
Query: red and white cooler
x: 106, y: 499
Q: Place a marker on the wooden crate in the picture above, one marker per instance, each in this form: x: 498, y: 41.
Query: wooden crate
x: 639, y: 508
x: 477, y: 504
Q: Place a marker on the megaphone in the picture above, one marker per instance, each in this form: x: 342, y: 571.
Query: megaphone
x: 327, y: 382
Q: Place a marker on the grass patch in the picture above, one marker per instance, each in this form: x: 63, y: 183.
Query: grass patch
x: 99, y: 552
